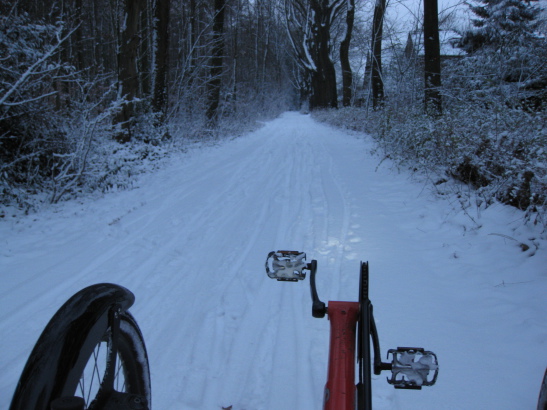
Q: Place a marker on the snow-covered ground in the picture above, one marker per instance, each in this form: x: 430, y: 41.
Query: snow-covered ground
x: 191, y: 242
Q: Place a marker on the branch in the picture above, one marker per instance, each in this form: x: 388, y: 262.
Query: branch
x: 31, y: 70
x: 9, y: 104
x: 288, y: 19
x: 336, y: 8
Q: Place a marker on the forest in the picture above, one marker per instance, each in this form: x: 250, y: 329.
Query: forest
x: 94, y: 93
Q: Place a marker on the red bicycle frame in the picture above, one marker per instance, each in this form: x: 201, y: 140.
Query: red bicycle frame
x: 351, y: 325
x: 340, y: 389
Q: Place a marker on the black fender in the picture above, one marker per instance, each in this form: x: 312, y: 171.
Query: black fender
x: 59, y: 357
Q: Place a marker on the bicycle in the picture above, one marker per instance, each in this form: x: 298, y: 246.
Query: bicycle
x: 351, y: 324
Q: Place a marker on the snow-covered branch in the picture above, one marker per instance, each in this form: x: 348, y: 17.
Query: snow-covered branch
x: 34, y: 69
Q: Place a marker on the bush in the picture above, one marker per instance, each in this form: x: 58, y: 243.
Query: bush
x: 499, y: 152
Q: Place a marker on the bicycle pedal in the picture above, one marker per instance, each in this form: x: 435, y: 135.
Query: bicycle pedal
x: 286, y: 265
x: 411, y: 368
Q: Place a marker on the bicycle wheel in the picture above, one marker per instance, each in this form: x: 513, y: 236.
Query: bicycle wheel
x: 91, y: 348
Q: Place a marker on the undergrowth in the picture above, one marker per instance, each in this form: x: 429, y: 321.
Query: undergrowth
x: 499, y: 153
x: 86, y: 159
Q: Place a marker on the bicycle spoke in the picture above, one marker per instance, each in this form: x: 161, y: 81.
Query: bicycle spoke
x: 119, y: 377
x: 93, y: 374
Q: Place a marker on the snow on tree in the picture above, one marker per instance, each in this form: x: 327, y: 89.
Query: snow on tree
x: 309, y: 24
x: 501, y: 22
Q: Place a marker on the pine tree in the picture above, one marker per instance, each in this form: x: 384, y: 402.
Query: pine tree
x: 500, y: 23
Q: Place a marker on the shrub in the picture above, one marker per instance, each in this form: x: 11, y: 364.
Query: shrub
x: 500, y: 152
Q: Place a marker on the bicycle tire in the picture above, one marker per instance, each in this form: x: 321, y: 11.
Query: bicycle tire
x: 93, y: 317
x: 364, y: 387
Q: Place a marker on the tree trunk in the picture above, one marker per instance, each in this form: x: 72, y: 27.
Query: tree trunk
x: 146, y: 71
x: 78, y: 12
x: 347, y: 76
x: 235, y: 55
x: 159, y: 101
x: 323, y: 82
x: 128, y: 78
x: 215, y: 81
x: 376, y: 63
x: 433, y: 100
x: 193, y: 34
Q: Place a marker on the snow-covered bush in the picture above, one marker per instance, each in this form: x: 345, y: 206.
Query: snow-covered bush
x: 31, y: 129
x: 56, y: 133
x: 501, y: 155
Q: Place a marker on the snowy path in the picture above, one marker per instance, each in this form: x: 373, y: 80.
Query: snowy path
x: 191, y: 244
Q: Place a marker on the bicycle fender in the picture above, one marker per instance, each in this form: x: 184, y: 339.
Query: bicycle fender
x: 85, y: 314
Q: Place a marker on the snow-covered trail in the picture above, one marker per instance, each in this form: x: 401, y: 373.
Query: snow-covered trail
x: 191, y: 244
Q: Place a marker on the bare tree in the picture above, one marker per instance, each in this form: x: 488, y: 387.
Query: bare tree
x: 433, y: 100
x: 128, y: 77
x: 347, y: 75
x: 215, y: 81
x: 376, y: 63
x: 309, y: 24
x: 147, y: 33
x: 159, y: 101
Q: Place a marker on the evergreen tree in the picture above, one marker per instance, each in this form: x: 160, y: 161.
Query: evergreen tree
x: 500, y: 23
x: 505, y: 43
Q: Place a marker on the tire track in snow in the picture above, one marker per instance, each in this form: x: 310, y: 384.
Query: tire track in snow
x: 287, y: 215
x: 283, y: 225
x: 230, y: 268
x: 102, y: 260
x: 257, y: 350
